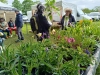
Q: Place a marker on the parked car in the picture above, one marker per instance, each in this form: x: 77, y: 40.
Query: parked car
x: 25, y: 18
x: 95, y: 16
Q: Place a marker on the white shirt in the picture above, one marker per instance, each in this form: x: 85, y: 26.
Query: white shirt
x: 66, y: 20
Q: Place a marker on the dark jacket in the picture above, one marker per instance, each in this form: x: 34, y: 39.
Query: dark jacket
x: 43, y: 22
x: 43, y: 25
x: 19, y: 20
x: 71, y: 19
x: 10, y: 24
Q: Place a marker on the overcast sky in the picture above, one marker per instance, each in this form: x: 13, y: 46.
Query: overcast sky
x: 81, y: 3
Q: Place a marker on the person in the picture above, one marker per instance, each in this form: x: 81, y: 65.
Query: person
x: 67, y: 20
x: 39, y: 24
x: 19, y: 25
x: 4, y: 27
x: 12, y: 26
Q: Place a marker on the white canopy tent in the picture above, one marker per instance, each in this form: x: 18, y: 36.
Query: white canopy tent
x: 7, y: 11
x: 6, y: 7
x: 61, y: 4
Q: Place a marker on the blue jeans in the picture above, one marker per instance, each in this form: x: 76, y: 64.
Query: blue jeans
x: 7, y: 30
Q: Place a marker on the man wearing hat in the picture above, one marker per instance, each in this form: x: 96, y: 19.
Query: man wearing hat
x: 19, y: 25
x: 67, y: 19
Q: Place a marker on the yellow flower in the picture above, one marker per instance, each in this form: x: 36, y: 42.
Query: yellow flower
x: 81, y: 21
x: 53, y: 31
x: 91, y: 20
x: 39, y: 34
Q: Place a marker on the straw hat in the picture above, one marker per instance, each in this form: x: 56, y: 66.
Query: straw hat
x: 68, y: 10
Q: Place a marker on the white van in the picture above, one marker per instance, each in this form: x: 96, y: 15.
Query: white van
x: 95, y: 15
x: 76, y: 12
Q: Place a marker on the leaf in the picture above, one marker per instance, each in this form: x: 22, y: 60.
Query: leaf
x: 14, y: 63
x: 19, y: 68
x: 2, y: 71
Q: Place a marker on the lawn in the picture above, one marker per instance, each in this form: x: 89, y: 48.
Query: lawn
x: 28, y: 37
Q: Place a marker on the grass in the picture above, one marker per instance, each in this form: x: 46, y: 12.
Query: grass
x: 28, y: 37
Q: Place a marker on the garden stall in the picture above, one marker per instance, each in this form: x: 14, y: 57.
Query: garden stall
x: 7, y: 11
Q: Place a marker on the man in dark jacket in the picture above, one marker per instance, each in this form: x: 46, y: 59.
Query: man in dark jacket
x: 19, y: 25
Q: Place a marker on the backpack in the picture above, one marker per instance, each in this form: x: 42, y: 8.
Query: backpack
x: 34, y: 23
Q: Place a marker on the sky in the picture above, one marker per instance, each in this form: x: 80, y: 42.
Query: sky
x: 80, y: 3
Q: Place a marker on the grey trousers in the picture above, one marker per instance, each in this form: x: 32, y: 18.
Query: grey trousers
x: 19, y: 33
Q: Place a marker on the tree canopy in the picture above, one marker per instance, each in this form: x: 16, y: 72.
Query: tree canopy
x: 4, y: 1
x: 17, y: 4
x: 26, y: 5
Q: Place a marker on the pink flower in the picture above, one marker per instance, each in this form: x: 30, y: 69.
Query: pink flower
x: 72, y: 39
x: 69, y: 40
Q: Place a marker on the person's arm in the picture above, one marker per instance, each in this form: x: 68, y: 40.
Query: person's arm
x: 45, y: 21
x: 6, y: 26
x: 62, y: 20
x: 1, y: 27
x: 73, y: 19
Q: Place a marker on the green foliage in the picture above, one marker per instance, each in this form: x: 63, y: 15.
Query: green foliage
x: 27, y: 5
x: 46, y: 58
x: 86, y: 10
x: 55, y: 56
x: 17, y: 4
x: 50, y: 7
x: 95, y: 9
x: 4, y: 1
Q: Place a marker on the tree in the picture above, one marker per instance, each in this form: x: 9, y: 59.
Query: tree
x: 4, y: 1
x: 17, y: 4
x: 50, y: 6
x: 27, y: 5
x: 97, y: 8
x: 86, y: 10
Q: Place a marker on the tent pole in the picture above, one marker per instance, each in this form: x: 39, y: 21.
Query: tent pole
x: 61, y: 11
x: 5, y: 15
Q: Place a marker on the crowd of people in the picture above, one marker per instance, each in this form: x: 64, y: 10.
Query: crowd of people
x: 7, y: 27
x: 39, y: 24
